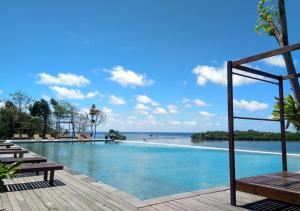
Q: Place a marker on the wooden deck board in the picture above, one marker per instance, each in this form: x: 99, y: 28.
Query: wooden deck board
x: 278, y: 186
x: 79, y: 192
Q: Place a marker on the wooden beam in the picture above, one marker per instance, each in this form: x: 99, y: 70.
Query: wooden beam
x: 291, y: 76
x: 267, y: 54
x: 258, y: 119
x: 257, y: 72
x: 259, y: 79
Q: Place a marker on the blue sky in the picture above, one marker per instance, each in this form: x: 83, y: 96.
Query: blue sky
x: 150, y: 65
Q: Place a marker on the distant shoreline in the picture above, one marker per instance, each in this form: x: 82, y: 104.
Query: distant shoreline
x: 250, y: 135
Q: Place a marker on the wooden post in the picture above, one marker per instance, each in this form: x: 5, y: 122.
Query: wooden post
x: 282, y: 126
x: 231, y: 134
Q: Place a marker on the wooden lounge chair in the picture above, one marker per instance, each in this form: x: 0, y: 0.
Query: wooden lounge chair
x: 44, y: 167
x: 24, y: 136
x: 7, y: 145
x: 78, y: 136
x: 49, y: 137
x: 16, y: 136
x: 14, y: 152
x: 37, y: 137
x: 24, y: 160
x: 87, y: 136
x: 11, y: 148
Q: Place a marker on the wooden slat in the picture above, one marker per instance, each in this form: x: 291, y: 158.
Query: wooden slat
x: 279, y: 186
x: 266, y: 54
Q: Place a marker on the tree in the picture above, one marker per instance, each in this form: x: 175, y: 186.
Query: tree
x: 20, y: 99
x: 60, y: 111
x: 291, y: 112
x: 272, y: 21
x: 97, y: 117
x: 81, y: 121
x: 41, y: 108
x: 8, y: 115
x: 73, y: 112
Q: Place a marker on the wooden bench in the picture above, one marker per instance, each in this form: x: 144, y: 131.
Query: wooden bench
x: 21, y: 152
x: 44, y: 167
x: 7, y: 145
x: 11, y: 148
x: 24, y: 160
x: 282, y: 186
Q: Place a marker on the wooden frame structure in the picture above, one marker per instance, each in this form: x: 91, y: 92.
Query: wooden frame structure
x: 279, y: 186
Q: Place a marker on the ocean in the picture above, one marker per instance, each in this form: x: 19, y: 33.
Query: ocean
x: 185, y: 139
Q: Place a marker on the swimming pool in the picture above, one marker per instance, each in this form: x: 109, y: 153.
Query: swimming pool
x: 148, y: 171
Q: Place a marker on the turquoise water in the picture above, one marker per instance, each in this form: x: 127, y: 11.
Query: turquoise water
x: 149, y: 171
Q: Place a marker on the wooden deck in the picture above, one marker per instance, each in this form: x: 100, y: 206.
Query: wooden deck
x: 74, y: 191
x: 283, y: 186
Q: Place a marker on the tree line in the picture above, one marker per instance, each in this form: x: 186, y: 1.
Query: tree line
x: 21, y: 114
x: 250, y: 135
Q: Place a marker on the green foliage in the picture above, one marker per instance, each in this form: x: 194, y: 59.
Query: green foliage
x: 243, y: 136
x: 115, y: 135
x: 268, y: 15
x: 6, y: 172
x: 60, y: 109
x: 291, y: 112
x: 40, y: 108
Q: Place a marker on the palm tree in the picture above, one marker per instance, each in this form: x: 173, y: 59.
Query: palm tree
x: 291, y: 112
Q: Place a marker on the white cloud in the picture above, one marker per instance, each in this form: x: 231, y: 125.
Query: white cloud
x: 190, y: 123
x: 132, y: 117
x: 218, y: 75
x: 128, y: 77
x: 186, y: 103
x: 46, y: 97
x: 175, y: 122
x: 277, y: 61
x: 142, y: 112
x: 117, y: 100
x: 66, y: 79
x: 185, y: 100
x: 200, y: 103
x: 92, y: 94
x: 141, y: 106
x: 249, y: 105
x: 84, y: 111
x: 146, y: 100
x: 206, y: 114
x: 2, y: 104
x: 65, y: 93
x: 160, y: 110
x: 150, y: 117
x: 107, y: 110
x: 172, y: 109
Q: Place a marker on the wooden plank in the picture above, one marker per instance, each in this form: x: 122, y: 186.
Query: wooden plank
x: 257, y: 72
x: 5, y: 202
x: 269, y: 192
x: 267, y: 54
x: 104, y: 193
x: 95, y: 193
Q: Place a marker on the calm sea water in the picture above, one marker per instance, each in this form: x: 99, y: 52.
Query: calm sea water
x: 148, y: 171
x: 184, y: 139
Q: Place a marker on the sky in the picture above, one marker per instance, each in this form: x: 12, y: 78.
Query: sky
x: 154, y: 65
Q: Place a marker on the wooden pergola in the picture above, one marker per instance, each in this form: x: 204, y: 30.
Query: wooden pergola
x: 283, y: 186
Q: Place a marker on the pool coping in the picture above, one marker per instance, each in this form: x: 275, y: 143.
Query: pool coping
x: 132, y: 200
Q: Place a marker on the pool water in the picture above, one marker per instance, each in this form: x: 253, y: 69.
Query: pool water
x: 148, y: 171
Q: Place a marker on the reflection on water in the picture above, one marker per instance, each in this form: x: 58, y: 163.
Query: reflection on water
x: 139, y: 169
